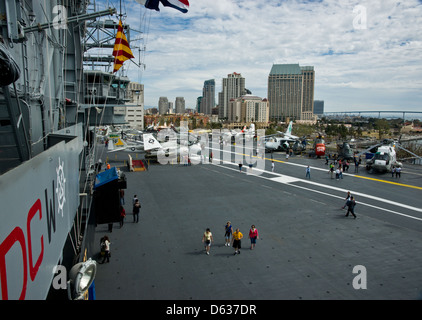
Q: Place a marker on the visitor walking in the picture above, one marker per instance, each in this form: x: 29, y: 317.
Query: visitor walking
x: 237, y: 244
x: 207, y: 239
x: 122, y: 216
x: 136, y: 209
x: 340, y: 172
x: 398, y: 172
x: 337, y: 173
x: 331, y: 170
x: 105, y: 248
x: 308, y: 173
x: 253, y: 236
x: 228, y: 233
x: 351, y: 207
x: 348, y: 196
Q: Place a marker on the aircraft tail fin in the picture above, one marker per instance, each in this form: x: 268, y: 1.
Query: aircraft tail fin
x: 289, y: 128
x: 150, y: 142
x: 116, y: 144
x: 110, y: 145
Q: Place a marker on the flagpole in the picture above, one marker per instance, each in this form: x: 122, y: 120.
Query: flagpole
x: 120, y: 19
x: 121, y: 14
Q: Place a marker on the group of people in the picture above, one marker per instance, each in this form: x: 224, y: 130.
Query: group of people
x: 338, y: 171
x: 350, y: 204
x: 396, y: 171
x: 105, y: 241
x: 338, y: 160
x: 343, y: 165
x: 357, y: 160
x: 135, y: 210
x: 233, y: 238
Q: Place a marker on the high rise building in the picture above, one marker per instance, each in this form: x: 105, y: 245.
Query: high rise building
x: 180, y: 105
x: 208, y: 97
x: 319, y: 107
x: 291, y: 92
x: 163, y: 105
x: 248, y: 108
x: 198, y: 104
x: 232, y: 87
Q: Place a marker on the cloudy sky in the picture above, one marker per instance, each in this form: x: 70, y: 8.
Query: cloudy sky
x: 367, y: 55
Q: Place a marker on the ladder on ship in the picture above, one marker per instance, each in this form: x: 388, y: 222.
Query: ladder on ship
x: 14, y: 145
x: 14, y: 148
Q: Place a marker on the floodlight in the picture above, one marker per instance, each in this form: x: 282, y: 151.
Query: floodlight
x: 81, y: 277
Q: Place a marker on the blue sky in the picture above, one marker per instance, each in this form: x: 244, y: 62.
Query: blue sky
x: 367, y: 55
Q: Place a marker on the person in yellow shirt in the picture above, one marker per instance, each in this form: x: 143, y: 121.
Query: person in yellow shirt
x: 237, y: 236
x: 207, y: 239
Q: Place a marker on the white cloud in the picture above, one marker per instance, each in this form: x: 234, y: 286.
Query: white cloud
x: 381, y: 63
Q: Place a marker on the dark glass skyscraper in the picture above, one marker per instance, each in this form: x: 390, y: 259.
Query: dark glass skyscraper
x: 208, y: 97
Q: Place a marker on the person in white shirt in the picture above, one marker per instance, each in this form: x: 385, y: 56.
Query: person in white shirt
x: 105, y: 247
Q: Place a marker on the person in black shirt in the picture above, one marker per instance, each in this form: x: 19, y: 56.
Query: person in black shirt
x: 136, y: 209
x: 351, y: 207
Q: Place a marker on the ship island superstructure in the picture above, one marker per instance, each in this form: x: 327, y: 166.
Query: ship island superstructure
x: 49, y: 107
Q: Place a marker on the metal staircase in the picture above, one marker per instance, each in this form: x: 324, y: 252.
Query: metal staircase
x: 14, y: 148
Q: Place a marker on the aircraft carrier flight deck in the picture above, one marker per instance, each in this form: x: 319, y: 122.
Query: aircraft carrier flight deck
x: 307, y: 248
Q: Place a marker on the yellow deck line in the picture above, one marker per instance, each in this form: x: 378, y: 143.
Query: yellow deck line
x: 385, y: 181
x: 362, y: 177
x: 354, y: 175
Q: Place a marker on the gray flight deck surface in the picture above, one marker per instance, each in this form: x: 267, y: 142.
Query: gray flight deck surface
x: 307, y: 248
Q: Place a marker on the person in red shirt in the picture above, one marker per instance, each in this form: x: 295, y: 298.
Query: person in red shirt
x: 122, y: 215
x: 253, y: 235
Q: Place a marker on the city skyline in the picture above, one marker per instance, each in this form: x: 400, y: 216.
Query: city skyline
x: 367, y: 55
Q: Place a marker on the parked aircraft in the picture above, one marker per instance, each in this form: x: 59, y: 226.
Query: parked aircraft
x: 155, y: 150
x: 172, y: 144
x: 319, y: 146
x: 345, y: 151
x: 385, y: 157
x: 275, y: 142
x: 318, y: 149
x: 116, y: 143
x: 232, y: 135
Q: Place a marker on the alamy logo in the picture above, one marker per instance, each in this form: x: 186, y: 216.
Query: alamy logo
x: 60, y: 277
x: 60, y: 20
x: 359, y: 22
x: 359, y: 282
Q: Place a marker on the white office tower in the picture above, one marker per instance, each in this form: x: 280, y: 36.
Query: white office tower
x: 232, y: 87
